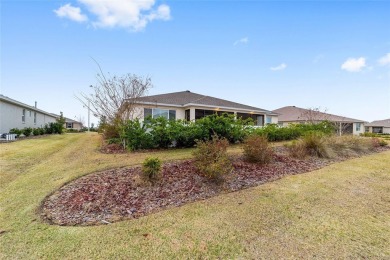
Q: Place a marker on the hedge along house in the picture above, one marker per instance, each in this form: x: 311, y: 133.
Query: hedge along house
x: 378, y: 127
x: 296, y: 115
x: 186, y: 105
x: 15, y: 114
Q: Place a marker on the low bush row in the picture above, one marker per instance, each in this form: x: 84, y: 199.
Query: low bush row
x: 163, y: 133
x: 317, y: 144
x: 51, y: 128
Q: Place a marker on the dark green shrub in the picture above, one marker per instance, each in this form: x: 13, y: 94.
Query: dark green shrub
x: 134, y: 136
x: 256, y: 149
x: 27, y: 131
x: 36, y: 131
x: 151, y: 169
x: 211, y: 158
x: 15, y: 131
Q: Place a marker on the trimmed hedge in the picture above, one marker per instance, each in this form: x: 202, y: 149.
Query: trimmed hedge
x: 162, y: 133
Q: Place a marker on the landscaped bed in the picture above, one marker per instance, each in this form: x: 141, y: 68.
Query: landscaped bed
x: 118, y: 194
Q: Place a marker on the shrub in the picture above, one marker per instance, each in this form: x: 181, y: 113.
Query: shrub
x: 315, y: 144
x: 15, y: 131
x: 256, y: 149
x: 211, y: 158
x: 27, y: 131
x: 151, y: 169
x: 36, y: 131
x: 134, y: 136
x: 297, y: 149
x: 383, y: 143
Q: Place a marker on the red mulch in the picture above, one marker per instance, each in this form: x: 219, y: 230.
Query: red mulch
x: 117, y: 194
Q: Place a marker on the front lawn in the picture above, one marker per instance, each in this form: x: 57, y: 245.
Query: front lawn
x: 340, y: 211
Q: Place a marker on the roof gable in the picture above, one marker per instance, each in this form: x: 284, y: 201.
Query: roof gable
x: 380, y: 123
x: 296, y: 114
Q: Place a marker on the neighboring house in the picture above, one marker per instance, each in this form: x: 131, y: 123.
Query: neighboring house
x: 379, y: 127
x: 293, y: 115
x: 190, y: 106
x: 73, y: 124
x: 15, y: 114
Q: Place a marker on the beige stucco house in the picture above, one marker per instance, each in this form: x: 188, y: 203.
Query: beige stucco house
x: 15, y: 114
x: 73, y: 124
x: 296, y: 115
x: 379, y: 127
x: 186, y: 105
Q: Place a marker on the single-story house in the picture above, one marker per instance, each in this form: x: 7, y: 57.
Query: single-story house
x: 293, y: 115
x: 191, y: 106
x: 15, y: 114
x: 379, y: 127
x: 73, y: 124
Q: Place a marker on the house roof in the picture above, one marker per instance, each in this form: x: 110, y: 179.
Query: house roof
x: 33, y: 108
x: 187, y: 98
x: 297, y: 114
x: 380, y: 123
x: 68, y: 120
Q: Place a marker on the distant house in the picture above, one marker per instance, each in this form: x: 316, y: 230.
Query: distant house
x: 73, y: 124
x: 15, y: 114
x: 379, y: 126
x: 191, y: 106
x: 293, y: 114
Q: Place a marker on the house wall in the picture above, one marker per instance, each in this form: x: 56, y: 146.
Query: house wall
x: 76, y: 126
x: 358, y: 132
x: 139, y: 112
x: 274, y: 119
x: 386, y: 130
x: 11, y: 117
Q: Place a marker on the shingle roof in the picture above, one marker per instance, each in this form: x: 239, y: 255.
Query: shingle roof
x: 296, y: 114
x: 187, y: 98
x: 383, y: 123
x: 18, y: 103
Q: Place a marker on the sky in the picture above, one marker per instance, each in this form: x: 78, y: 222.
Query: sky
x: 332, y: 55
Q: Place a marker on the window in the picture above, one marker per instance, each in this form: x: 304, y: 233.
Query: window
x: 358, y: 125
x: 157, y: 112
x: 268, y: 120
x: 69, y: 125
x: 24, y: 116
x: 377, y: 130
x: 367, y: 129
x: 35, y: 118
x: 200, y: 113
x: 30, y: 113
x: 258, y: 120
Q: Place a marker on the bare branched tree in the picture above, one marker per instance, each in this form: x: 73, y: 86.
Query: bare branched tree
x: 314, y: 115
x: 317, y: 115
x: 115, y: 97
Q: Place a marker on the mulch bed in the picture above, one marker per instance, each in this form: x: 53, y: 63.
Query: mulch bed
x: 109, y: 196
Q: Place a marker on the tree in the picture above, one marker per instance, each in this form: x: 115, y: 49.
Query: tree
x: 315, y: 116
x: 115, y: 97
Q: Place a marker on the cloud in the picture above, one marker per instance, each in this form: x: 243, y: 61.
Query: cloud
x: 72, y: 13
x: 280, y: 67
x: 244, y: 40
x: 129, y: 14
x: 385, y: 60
x: 354, y: 65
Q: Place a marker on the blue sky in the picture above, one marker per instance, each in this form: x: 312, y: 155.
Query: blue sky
x: 329, y: 54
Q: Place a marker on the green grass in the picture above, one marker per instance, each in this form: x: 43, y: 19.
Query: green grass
x: 341, y: 211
